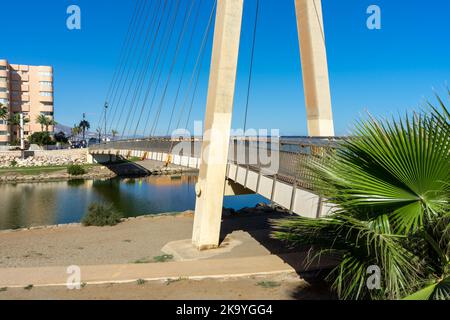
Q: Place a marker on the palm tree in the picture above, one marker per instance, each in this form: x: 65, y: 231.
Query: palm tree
x: 76, y: 130
x: 114, y: 133
x: 3, y: 112
x: 99, y: 131
x: 43, y: 121
x: 50, y: 122
x: 390, y: 187
x: 14, y: 120
x: 84, y: 125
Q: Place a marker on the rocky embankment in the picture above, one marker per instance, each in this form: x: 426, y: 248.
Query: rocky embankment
x: 96, y: 172
x: 14, y: 159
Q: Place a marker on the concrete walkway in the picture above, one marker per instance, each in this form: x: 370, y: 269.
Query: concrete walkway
x: 194, y: 270
x: 124, y: 253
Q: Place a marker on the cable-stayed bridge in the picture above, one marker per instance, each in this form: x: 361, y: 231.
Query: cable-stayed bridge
x: 154, y: 91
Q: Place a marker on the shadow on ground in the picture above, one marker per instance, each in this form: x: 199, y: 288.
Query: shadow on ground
x: 313, y: 272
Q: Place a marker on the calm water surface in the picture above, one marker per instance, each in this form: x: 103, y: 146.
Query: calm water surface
x: 48, y: 203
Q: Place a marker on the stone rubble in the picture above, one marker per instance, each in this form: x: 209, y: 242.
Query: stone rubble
x: 55, y: 158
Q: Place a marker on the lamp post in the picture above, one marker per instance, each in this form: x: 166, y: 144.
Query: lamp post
x: 106, y: 111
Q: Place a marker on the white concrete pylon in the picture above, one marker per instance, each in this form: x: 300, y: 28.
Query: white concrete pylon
x: 219, y: 108
x: 314, y: 67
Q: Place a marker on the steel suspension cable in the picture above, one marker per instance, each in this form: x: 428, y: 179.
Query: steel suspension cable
x: 144, y: 70
x: 184, y: 66
x: 128, y: 63
x: 250, y: 76
x: 165, y: 55
x: 131, y: 70
x: 174, y: 61
x: 198, y: 64
x: 120, y: 61
x: 135, y: 72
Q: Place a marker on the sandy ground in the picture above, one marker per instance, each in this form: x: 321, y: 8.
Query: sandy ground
x: 141, y: 239
x: 281, y: 287
x: 135, y: 239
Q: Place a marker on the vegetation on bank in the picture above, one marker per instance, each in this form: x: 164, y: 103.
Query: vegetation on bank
x: 390, y: 186
x: 37, y: 170
x: 76, y: 170
x: 100, y: 215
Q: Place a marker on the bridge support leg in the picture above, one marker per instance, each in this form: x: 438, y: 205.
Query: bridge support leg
x: 219, y: 107
x: 315, y: 68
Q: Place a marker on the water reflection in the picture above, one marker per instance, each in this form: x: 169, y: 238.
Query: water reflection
x: 36, y: 204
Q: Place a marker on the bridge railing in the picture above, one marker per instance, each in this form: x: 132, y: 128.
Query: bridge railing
x: 284, y: 159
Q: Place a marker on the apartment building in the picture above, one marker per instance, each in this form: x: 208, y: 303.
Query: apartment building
x: 28, y: 90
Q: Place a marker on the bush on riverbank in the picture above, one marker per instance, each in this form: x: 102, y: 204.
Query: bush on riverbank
x: 76, y: 170
x: 100, y: 215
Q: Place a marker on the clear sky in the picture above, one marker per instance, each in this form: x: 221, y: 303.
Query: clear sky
x: 383, y: 71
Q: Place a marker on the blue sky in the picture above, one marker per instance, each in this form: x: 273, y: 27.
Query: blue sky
x: 383, y: 71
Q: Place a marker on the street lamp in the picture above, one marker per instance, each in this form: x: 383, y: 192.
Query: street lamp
x: 106, y: 111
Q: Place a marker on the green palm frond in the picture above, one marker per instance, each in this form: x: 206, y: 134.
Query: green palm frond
x: 362, y: 244
x: 436, y: 291
x: 390, y: 185
x: 399, y: 168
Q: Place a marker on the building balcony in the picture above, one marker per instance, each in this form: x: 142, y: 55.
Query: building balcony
x: 4, y: 73
x: 24, y: 88
x: 46, y: 99
x: 4, y: 137
x: 46, y: 88
x: 4, y: 127
x: 46, y: 78
x: 46, y: 108
x: 4, y: 95
x: 25, y: 77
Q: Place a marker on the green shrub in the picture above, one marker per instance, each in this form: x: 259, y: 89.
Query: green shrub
x: 41, y: 139
x: 76, y: 170
x: 13, y: 163
x: 100, y: 215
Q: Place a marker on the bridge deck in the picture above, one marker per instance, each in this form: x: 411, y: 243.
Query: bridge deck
x: 284, y: 179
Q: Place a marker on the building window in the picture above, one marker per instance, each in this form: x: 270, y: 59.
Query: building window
x: 3, y: 122
x: 3, y: 133
x: 3, y: 79
x: 45, y: 94
x: 45, y: 74
x: 4, y: 101
x: 3, y: 90
x: 15, y: 93
x: 47, y: 114
x: 45, y: 83
x: 15, y: 104
x: 2, y: 68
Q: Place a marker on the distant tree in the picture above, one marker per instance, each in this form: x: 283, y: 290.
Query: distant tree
x: 3, y: 112
x: 61, y: 137
x: 99, y: 132
x: 50, y: 122
x: 14, y: 120
x: 114, y: 133
x: 43, y: 121
x: 84, y: 125
x: 41, y: 139
x: 76, y: 130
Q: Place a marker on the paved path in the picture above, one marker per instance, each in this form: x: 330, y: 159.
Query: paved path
x: 200, y: 269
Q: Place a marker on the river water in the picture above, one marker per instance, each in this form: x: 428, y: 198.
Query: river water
x: 48, y: 203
